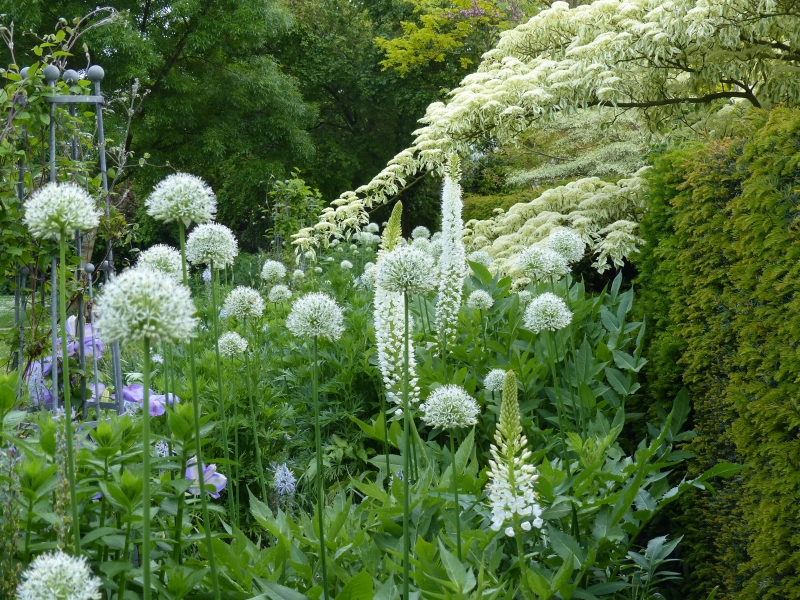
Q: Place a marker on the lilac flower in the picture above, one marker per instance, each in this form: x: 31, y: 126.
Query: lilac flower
x: 210, y: 477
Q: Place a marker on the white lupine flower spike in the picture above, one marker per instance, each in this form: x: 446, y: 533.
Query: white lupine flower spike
x: 452, y: 262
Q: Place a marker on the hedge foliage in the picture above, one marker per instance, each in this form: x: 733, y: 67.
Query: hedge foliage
x: 720, y: 283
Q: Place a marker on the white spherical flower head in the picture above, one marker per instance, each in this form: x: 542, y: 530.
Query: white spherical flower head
x: 58, y: 576
x: 316, y: 315
x: 493, y: 382
x: 372, y: 228
x: 525, y: 297
x: 406, y: 269
x: 568, y: 243
x: 232, y: 344
x: 450, y: 406
x: 279, y: 293
x: 273, y: 271
x: 542, y: 263
x: 481, y: 257
x: 298, y: 274
x: 480, y: 300
x: 162, y: 258
x: 211, y: 243
x: 143, y: 304
x: 60, y: 207
x: 423, y: 244
x: 244, y: 303
x: 182, y: 197
x: 318, y: 270
x: 346, y: 265
x: 547, y: 311
x: 420, y: 232
x: 353, y: 247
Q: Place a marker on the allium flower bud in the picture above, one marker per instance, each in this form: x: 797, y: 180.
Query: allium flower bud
x: 450, y: 406
x: 59, y: 207
x: 244, y: 303
x: 162, y: 258
x: 279, y: 293
x: 480, y: 300
x: 182, y: 197
x: 420, y: 232
x: 346, y: 265
x: 406, y: 269
x: 318, y: 270
x: 568, y: 243
x: 143, y: 304
x: 542, y: 263
x: 273, y: 271
x: 547, y: 311
x: 493, y: 382
x: 316, y: 315
x: 58, y: 575
x: 232, y: 344
x: 211, y: 243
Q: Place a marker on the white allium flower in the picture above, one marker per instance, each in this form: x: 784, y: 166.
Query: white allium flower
x: 298, y: 274
x: 481, y: 257
x: 406, y: 269
x: 318, y: 270
x: 450, y: 406
x: 279, y: 293
x: 310, y: 255
x: 372, y: 228
x: 480, y: 300
x: 162, y: 258
x: 354, y: 247
x: 524, y: 297
x: 232, y: 344
x: 143, y: 304
x: 547, y: 311
x: 329, y: 259
x: 182, y: 197
x: 452, y: 262
x: 285, y: 481
x: 273, y: 271
x: 60, y: 206
x: 493, y: 382
x: 316, y: 315
x: 211, y: 243
x: 423, y: 244
x: 568, y: 243
x: 346, y: 265
x: 59, y: 576
x: 206, y: 275
x: 244, y: 303
x: 542, y: 263
x: 420, y: 232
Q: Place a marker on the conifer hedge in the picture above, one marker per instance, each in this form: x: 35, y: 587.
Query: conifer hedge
x: 720, y: 284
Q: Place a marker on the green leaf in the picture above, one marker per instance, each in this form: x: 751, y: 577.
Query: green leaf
x: 566, y: 546
x: 482, y: 272
x: 722, y: 470
x: 358, y: 588
x: 680, y: 411
x: 564, y: 573
x: 275, y: 591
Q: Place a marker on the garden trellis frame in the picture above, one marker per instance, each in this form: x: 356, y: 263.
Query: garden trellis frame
x: 51, y: 74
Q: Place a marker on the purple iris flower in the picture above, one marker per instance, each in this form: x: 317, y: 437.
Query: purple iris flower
x: 210, y: 477
x: 91, y: 342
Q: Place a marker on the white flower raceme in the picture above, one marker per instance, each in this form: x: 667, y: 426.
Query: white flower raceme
x: 244, y: 303
x: 480, y: 300
x: 279, y: 293
x: 298, y: 274
x: 316, y: 315
x: 452, y: 263
x: 542, y: 263
x: 143, y: 304
x: 273, y: 271
x: 232, y: 344
x: 211, y: 243
x: 182, y: 197
x: 493, y: 382
x: 568, y: 243
x: 420, y: 232
x: 346, y: 265
x: 389, y: 323
x: 162, y: 258
x: 547, y: 311
x: 60, y: 207
x: 481, y: 257
x: 406, y: 269
x: 59, y: 576
x: 450, y: 406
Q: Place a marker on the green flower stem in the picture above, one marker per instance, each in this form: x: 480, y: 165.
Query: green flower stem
x: 198, y: 440
x: 483, y: 324
x: 181, y: 502
x: 406, y: 457
x: 262, y: 480
x: 236, y: 455
x: 28, y: 527
x: 123, y: 575
x: 103, y: 506
x: 455, y: 493
x: 62, y: 307
x: 146, y: 472
x: 382, y: 396
x: 320, y: 483
x: 223, y: 416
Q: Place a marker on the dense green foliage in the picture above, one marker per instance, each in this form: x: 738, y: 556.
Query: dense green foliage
x: 719, y: 278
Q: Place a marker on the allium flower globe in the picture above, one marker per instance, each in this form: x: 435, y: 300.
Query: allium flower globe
x: 480, y: 300
x: 232, y: 344
x: 423, y: 244
x: 450, y: 406
x: 568, y: 243
x: 372, y: 228
x: 420, y: 232
x: 211, y: 243
x: 244, y: 303
x: 59, y: 576
x: 316, y: 315
x: 542, y: 263
x: 525, y: 297
x: 59, y: 207
x: 346, y: 265
x: 273, y: 271
x: 547, y: 311
x: 298, y: 274
x: 182, y: 197
x: 481, y: 257
x: 142, y: 304
x: 406, y: 269
x: 493, y: 382
x: 162, y: 258
x: 279, y: 293
x: 318, y: 270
